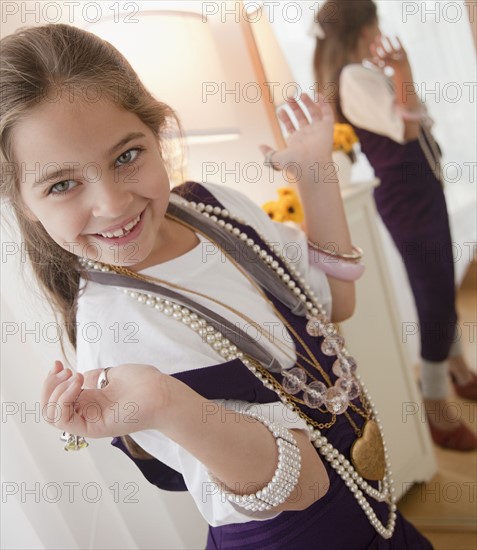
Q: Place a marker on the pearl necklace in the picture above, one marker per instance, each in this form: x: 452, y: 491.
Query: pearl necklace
x: 356, y: 483
x: 317, y: 321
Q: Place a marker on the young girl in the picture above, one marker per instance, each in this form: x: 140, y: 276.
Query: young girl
x: 393, y: 129
x: 239, y: 388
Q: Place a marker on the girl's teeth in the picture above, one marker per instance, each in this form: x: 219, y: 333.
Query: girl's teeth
x: 130, y: 225
x: 122, y: 231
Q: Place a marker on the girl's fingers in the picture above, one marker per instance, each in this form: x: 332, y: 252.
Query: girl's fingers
x: 314, y: 108
x: 91, y: 378
x: 381, y: 51
x: 325, y: 112
x: 298, y: 112
x: 56, y: 367
x: 59, y: 407
x: 378, y: 43
x: 286, y: 120
x: 400, y: 49
x: 53, y: 380
x: 317, y: 110
x: 377, y: 48
x: 389, y: 45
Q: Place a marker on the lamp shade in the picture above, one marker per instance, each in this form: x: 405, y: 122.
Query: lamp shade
x: 175, y: 56
x: 274, y: 64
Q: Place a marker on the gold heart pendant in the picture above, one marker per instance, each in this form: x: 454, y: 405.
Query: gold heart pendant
x: 367, y: 453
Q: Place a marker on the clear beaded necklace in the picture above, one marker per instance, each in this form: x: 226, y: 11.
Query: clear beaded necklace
x: 318, y: 324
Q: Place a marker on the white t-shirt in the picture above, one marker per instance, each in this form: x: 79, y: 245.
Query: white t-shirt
x: 115, y: 329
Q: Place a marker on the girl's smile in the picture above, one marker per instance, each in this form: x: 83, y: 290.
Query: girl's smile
x: 124, y: 233
x: 108, y: 193
x: 121, y: 230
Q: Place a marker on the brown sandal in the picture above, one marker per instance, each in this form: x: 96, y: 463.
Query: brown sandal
x: 461, y: 438
x: 466, y: 391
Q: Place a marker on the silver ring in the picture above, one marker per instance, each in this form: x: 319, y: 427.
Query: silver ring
x: 269, y: 162
x: 103, y: 379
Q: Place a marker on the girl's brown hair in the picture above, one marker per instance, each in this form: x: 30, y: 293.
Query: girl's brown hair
x: 342, y: 22
x: 49, y: 63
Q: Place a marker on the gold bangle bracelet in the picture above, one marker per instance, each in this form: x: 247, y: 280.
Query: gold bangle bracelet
x: 356, y: 255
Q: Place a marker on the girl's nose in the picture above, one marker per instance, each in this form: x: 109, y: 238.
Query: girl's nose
x: 111, y: 199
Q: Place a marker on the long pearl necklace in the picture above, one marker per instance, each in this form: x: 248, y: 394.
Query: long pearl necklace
x: 222, y: 345
x: 317, y: 323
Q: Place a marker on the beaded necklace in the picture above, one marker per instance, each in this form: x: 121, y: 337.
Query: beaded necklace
x: 369, y: 450
x: 295, y: 378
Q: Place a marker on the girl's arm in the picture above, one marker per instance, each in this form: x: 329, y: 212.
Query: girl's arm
x: 310, y: 147
x: 236, y: 449
x: 384, y: 53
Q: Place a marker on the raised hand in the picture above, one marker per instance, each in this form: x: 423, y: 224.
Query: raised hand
x: 131, y: 401
x: 385, y: 54
x: 308, y: 141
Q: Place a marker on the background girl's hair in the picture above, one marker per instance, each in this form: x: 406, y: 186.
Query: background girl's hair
x: 60, y: 62
x: 342, y: 22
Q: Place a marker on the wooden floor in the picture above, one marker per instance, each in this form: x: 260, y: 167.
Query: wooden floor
x: 445, y: 508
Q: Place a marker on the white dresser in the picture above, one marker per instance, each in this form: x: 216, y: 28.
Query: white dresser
x: 374, y: 337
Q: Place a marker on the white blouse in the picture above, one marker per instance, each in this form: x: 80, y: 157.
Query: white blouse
x: 115, y: 329
x: 368, y: 101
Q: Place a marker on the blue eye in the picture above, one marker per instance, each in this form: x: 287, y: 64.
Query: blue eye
x: 128, y: 156
x: 62, y: 187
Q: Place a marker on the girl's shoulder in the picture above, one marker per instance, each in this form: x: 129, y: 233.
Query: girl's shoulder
x: 240, y: 206
x: 362, y: 73
x: 368, y: 101
x: 236, y: 202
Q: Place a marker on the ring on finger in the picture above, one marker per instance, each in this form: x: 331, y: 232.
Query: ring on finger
x: 269, y: 162
x: 103, y: 379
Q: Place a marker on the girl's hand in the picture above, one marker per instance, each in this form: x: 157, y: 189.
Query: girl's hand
x: 130, y: 402
x: 385, y: 54
x: 307, y: 142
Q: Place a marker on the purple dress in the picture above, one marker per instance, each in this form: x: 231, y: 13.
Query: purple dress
x: 412, y: 205
x: 334, y: 522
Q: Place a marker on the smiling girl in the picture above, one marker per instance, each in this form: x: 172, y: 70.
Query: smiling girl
x: 274, y: 436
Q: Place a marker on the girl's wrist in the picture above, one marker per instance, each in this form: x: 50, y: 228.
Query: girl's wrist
x: 163, y: 401
x: 312, y: 173
x: 403, y: 72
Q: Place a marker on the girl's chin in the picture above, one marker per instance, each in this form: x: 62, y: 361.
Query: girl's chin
x: 121, y: 256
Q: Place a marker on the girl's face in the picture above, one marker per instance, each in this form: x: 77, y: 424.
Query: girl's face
x: 93, y: 176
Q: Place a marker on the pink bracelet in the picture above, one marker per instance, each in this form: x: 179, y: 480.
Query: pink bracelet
x: 407, y: 114
x: 335, y: 267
